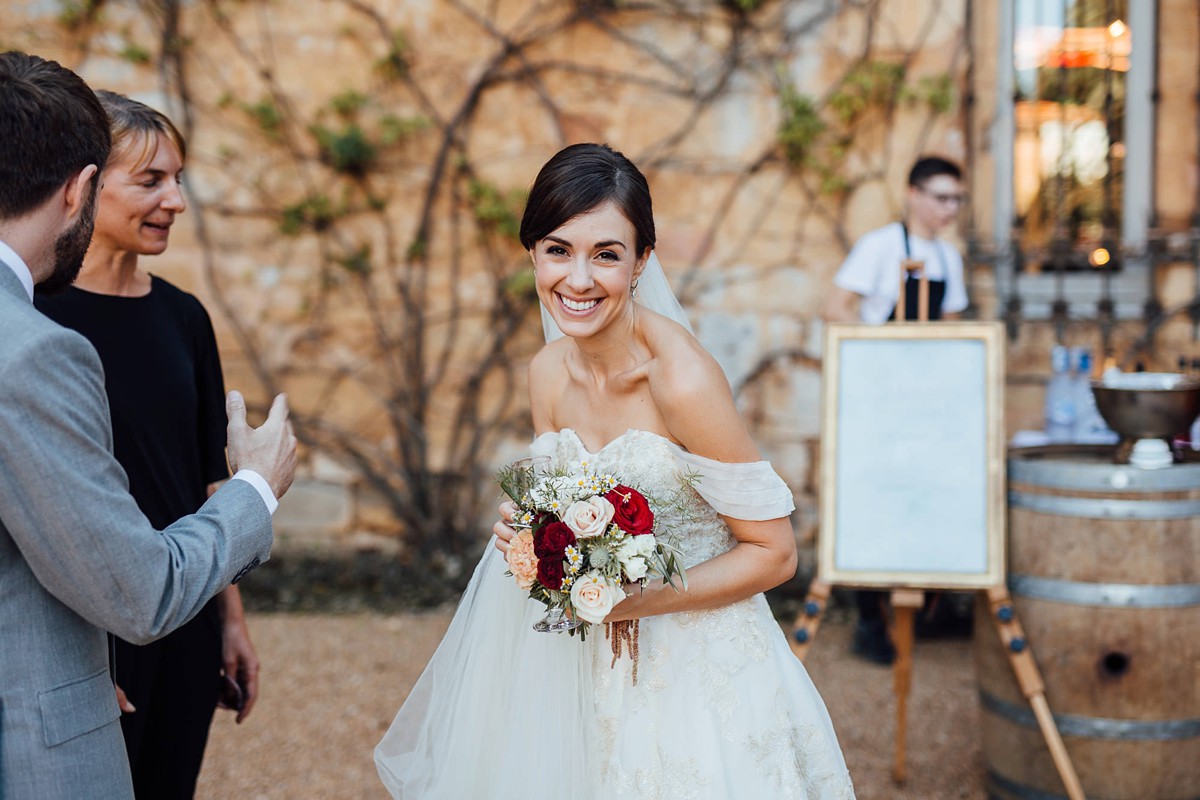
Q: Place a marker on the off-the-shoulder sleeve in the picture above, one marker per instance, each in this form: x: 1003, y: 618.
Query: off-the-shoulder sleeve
x: 750, y: 491
x: 544, y: 446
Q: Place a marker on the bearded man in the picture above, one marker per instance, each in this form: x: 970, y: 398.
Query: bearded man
x: 77, y: 557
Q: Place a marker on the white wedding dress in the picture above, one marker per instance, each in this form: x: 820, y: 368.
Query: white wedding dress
x: 722, y: 710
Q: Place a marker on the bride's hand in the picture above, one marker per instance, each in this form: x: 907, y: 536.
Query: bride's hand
x: 504, y: 533
x: 626, y: 607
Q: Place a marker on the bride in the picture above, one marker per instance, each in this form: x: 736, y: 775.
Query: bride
x: 720, y: 708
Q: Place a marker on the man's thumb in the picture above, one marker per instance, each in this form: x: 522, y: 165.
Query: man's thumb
x: 235, y: 408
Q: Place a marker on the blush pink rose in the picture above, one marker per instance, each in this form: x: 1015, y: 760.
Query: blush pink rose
x: 593, y: 596
x: 522, y: 561
x: 589, y: 517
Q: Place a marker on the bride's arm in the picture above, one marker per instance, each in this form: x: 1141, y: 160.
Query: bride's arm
x: 764, y: 557
x: 694, y: 397
x: 543, y: 370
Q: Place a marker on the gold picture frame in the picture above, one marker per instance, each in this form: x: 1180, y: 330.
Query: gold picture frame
x: 912, y: 456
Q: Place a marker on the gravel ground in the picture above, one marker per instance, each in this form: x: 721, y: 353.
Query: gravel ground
x: 331, y: 685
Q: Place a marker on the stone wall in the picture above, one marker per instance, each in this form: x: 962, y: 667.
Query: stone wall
x: 771, y: 138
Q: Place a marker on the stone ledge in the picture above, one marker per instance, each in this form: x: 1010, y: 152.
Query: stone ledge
x: 344, y: 581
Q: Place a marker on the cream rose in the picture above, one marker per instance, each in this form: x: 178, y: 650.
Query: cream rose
x: 587, y: 518
x: 646, y: 546
x: 634, y: 568
x: 522, y: 561
x: 593, y: 596
x: 643, y: 546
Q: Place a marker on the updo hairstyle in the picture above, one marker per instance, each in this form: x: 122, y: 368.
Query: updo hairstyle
x: 579, y: 179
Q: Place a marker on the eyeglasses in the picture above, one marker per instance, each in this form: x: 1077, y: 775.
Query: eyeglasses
x: 944, y: 199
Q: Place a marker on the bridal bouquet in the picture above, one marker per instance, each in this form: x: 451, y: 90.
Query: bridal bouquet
x: 581, y: 537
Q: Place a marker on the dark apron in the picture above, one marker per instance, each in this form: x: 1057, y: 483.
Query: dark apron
x: 937, y: 289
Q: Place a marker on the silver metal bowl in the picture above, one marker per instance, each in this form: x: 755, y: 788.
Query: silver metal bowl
x: 1149, y: 413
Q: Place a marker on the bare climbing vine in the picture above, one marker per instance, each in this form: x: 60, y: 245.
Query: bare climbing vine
x: 358, y: 223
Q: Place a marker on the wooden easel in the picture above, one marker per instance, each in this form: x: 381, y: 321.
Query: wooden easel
x: 908, y: 267
x: 905, y: 602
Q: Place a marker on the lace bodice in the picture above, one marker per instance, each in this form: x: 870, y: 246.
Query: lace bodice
x: 662, y: 469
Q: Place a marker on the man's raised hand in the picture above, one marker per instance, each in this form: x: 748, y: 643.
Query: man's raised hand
x: 269, y: 450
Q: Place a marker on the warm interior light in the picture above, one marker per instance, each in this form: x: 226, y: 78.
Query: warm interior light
x: 1117, y: 29
x: 1099, y: 257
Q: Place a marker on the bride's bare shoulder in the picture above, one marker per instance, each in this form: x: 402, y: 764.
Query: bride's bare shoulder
x: 694, y: 397
x: 681, y: 366
x: 549, y: 359
x: 546, y: 377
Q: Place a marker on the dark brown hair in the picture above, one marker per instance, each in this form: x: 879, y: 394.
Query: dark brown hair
x: 930, y: 167
x: 51, y: 127
x: 577, y: 180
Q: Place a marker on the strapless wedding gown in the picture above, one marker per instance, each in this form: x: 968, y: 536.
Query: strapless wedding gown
x: 721, y: 710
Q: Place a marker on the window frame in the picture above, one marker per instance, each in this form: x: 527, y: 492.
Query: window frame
x: 1130, y: 287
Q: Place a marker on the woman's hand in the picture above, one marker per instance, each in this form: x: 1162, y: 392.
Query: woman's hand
x: 241, y: 663
x: 123, y: 701
x: 502, y: 530
x: 237, y: 651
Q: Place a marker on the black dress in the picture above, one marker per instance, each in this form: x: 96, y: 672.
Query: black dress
x: 162, y: 373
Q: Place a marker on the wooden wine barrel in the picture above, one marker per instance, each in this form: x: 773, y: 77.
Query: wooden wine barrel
x: 1104, y: 572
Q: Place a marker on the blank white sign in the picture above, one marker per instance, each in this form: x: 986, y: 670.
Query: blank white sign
x: 913, y: 470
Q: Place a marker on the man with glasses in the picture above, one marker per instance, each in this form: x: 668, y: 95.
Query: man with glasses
x: 867, y: 287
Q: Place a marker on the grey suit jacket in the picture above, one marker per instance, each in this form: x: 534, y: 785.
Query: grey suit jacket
x: 77, y: 558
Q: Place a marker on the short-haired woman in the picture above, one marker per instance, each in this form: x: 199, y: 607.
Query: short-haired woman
x: 166, y: 396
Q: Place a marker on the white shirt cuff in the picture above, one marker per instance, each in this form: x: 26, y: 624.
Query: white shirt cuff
x: 260, y: 485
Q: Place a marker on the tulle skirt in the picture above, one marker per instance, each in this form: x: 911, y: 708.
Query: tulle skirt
x: 501, y: 710
x: 721, y: 709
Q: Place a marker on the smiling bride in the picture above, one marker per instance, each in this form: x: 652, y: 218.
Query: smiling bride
x: 720, y: 707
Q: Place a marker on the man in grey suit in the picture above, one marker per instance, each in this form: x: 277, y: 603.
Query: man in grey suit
x: 77, y: 557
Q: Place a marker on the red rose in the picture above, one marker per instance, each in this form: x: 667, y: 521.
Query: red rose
x: 550, y: 572
x: 552, y: 540
x: 633, y: 514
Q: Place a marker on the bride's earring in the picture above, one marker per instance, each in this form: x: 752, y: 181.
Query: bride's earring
x: 633, y: 288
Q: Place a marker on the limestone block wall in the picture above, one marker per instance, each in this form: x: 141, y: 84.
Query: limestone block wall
x: 356, y: 171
